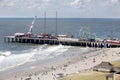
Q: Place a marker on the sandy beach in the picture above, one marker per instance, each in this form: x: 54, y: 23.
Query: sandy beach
x: 65, y: 67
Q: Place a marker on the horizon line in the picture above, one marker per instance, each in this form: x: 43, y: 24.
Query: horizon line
x: 66, y: 17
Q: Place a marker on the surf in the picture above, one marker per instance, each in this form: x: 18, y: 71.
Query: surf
x: 48, y: 52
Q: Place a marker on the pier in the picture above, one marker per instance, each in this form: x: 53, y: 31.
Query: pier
x: 85, y: 39
x: 63, y: 41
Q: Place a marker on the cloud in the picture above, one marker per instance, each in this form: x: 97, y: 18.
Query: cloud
x: 7, y: 3
x: 115, y: 1
x: 76, y: 3
x: 30, y: 4
x: 46, y: 1
x: 37, y: 4
x: 81, y: 8
x: 79, y: 3
x: 112, y: 3
x: 93, y: 4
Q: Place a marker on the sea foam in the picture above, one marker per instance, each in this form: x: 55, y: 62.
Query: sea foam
x: 8, y: 61
x: 49, y: 52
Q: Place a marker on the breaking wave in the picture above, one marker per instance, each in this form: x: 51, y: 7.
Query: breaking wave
x: 49, y: 52
x: 9, y: 59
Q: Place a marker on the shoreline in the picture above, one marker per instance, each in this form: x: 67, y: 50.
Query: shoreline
x: 65, y: 66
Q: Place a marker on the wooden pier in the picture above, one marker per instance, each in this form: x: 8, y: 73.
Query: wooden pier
x: 69, y: 42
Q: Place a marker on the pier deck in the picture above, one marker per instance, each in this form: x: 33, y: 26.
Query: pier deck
x: 63, y: 41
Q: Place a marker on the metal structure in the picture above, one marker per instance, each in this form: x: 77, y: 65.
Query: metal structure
x: 85, y: 34
x: 44, y: 22
x: 56, y: 24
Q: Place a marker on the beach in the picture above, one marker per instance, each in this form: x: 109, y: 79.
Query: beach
x: 66, y: 66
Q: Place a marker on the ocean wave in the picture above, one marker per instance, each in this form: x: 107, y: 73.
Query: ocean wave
x: 9, y: 60
x: 39, y: 53
x: 4, y: 54
x: 49, y: 52
x: 13, y: 60
x: 7, y: 53
x: 1, y: 58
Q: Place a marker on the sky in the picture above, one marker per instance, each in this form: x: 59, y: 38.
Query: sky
x: 65, y: 8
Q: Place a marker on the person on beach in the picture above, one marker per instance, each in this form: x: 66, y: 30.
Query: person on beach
x: 52, y: 74
x: 15, y: 76
x: 94, y: 60
x: 38, y: 78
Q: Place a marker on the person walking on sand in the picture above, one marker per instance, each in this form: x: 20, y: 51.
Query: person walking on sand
x: 38, y: 78
x: 94, y: 60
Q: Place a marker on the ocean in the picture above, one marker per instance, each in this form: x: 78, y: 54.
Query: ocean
x: 19, y: 54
